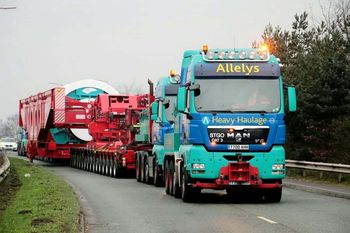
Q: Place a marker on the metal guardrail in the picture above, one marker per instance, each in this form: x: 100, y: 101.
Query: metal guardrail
x: 5, y: 168
x: 321, y: 167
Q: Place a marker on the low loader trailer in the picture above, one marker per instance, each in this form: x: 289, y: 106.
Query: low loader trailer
x: 54, y: 121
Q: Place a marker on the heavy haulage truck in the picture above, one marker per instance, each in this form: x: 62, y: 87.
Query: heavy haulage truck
x: 227, y: 129
x: 219, y: 125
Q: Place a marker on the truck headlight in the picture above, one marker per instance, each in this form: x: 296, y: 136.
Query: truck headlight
x: 278, y: 167
x: 198, y: 166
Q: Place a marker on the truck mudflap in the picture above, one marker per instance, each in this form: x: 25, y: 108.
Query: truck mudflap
x: 237, y: 175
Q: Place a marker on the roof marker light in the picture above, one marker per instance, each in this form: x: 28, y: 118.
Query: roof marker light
x: 242, y: 54
x: 222, y: 55
x: 231, y: 55
x: 172, y: 73
x: 210, y: 55
x: 252, y: 55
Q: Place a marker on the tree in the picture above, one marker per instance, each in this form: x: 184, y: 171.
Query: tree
x: 9, y: 127
x: 317, y: 61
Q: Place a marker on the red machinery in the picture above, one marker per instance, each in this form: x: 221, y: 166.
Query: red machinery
x: 41, y: 113
x: 115, y: 122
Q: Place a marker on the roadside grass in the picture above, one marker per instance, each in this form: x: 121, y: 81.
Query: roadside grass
x: 314, y: 176
x: 41, y: 202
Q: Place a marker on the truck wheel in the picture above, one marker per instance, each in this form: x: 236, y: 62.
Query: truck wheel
x: 188, y: 193
x: 157, y: 178
x: 175, y: 185
x: 147, y: 176
x: 138, y: 167
x: 273, y: 195
x: 171, y: 178
x: 166, y: 178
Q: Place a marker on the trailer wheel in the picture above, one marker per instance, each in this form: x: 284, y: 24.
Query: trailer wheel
x: 142, y: 165
x: 157, y: 178
x: 84, y: 160
x: 107, y: 166
x: 138, y: 167
x: 71, y: 161
x: 78, y: 160
x: 99, y: 165
x: 91, y: 164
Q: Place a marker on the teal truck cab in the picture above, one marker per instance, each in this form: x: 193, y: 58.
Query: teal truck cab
x: 150, y: 164
x: 229, y: 130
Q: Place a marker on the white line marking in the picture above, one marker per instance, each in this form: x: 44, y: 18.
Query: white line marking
x: 267, y: 220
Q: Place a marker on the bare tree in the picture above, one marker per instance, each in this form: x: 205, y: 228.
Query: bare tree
x: 9, y: 127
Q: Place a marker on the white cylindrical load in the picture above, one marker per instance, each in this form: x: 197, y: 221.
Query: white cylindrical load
x: 87, y: 86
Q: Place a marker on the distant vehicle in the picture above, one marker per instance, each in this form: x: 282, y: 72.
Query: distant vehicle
x: 8, y: 144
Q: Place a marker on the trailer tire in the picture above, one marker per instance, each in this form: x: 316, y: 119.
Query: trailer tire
x: 99, y: 165
x: 107, y: 166
x: 142, y: 165
x: 138, y: 167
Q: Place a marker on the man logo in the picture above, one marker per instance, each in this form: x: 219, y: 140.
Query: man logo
x: 205, y: 120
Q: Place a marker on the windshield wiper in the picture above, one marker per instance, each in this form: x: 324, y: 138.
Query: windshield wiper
x: 249, y: 111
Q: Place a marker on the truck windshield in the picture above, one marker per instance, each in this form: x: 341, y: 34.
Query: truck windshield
x: 238, y: 95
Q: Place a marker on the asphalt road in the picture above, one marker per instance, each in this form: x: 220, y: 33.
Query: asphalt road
x: 123, y: 205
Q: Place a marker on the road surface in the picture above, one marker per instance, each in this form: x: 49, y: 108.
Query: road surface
x: 124, y: 205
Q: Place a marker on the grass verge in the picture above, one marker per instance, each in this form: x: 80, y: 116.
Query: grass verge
x: 41, y: 202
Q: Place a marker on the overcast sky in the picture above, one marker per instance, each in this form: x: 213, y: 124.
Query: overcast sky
x: 61, y: 41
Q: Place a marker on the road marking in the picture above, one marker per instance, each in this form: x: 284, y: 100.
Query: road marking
x: 267, y: 220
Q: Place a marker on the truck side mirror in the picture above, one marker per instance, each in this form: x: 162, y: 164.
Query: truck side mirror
x: 292, y: 99
x: 154, y: 116
x: 196, y: 88
x: 166, y: 103
x: 181, y: 99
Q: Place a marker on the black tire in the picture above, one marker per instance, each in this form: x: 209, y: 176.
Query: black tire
x: 99, y: 165
x: 108, y: 164
x: 273, y: 195
x: 176, y: 186
x: 71, y: 161
x: 188, y: 193
x: 148, y: 179
x: 119, y: 169
x: 157, y: 178
x: 171, y: 177
x: 138, y: 167
x: 166, y: 177
x: 142, y: 170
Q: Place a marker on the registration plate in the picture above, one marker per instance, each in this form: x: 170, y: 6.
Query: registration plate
x: 236, y: 183
x: 238, y: 147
